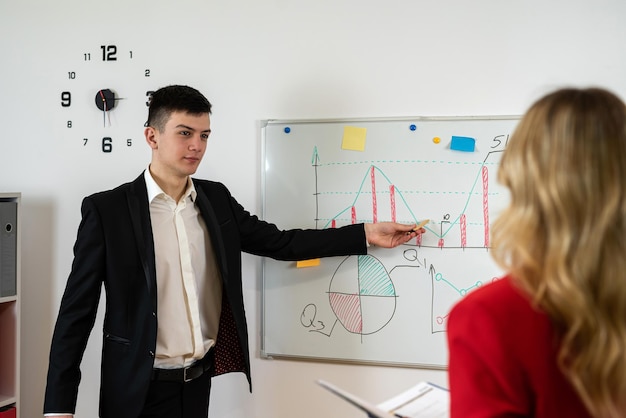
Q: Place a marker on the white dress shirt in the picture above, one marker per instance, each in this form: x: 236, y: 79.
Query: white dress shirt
x: 189, y: 286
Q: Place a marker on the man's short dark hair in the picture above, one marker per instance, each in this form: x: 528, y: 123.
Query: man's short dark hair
x: 175, y: 98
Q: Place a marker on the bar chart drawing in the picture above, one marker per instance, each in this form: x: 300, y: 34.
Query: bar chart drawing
x: 353, y: 308
x: 371, y: 204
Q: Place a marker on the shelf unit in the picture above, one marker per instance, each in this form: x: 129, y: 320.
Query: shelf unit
x: 10, y: 266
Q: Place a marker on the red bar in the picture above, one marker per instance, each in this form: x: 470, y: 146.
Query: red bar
x: 463, y: 231
x: 485, y: 178
x: 374, y: 203
x: 392, y: 199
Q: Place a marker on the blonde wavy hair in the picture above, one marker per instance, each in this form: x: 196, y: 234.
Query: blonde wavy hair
x: 563, y: 236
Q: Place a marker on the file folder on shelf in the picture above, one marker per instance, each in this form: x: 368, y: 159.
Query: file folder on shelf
x: 8, y: 248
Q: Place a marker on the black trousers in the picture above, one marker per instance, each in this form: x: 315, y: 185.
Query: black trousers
x: 178, y: 399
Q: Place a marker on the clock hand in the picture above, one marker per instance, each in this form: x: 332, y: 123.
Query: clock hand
x: 105, y: 101
x: 104, y: 108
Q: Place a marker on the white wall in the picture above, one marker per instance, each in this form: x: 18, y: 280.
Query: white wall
x: 260, y: 60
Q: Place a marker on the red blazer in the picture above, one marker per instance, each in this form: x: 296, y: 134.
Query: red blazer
x: 503, y: 358
x: 114, y: 251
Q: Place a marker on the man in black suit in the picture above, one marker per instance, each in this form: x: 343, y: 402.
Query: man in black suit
x: 167, y: 249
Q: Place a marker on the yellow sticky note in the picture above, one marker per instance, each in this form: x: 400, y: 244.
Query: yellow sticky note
x: 354, y: 138
x: 308, y: 263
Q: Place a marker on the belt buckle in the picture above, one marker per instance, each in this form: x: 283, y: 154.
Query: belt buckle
x: 185, y: 378
x: 189, y: 373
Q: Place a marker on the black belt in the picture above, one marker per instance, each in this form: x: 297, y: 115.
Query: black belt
x: 186, y: 374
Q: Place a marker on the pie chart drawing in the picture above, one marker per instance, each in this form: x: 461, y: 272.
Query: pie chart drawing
x: 362, y: 295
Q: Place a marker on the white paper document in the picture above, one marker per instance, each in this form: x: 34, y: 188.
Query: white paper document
x: 424, y: 400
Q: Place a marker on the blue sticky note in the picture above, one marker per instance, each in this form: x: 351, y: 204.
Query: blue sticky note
x: 463, y: 143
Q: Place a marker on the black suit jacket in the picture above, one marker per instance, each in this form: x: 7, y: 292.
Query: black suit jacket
x: 114, y: 250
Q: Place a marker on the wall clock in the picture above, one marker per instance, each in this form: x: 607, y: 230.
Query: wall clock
x: 104, y: 98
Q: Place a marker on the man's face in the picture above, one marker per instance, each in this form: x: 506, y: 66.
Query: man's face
x: 179, y: 148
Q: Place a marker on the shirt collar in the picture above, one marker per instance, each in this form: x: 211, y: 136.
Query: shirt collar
x: 154, y: 190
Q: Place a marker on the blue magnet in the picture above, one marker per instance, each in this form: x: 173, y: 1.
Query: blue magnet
x: 287, y: 129
x: 463, y: 143
x: 412, y: 127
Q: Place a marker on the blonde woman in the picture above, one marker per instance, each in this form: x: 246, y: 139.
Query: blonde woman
x: 549, y: 338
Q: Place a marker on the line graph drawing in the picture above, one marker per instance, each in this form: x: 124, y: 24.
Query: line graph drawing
x: 355, y: 308
x: 365, y: 207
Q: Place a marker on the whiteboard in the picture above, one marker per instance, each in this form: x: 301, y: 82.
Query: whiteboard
x: 391, y: 305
